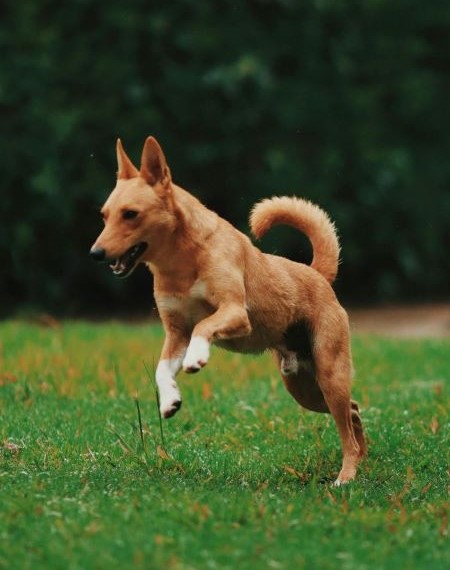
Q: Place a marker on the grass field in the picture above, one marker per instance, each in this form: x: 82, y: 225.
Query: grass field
x: 239, y: 479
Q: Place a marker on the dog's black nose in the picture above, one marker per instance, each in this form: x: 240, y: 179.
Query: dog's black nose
x: 97, y: 253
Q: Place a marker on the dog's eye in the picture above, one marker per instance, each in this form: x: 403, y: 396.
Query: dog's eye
x: 129, y: 214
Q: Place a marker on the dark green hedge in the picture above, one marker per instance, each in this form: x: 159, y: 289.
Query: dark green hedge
x: 344, y: 102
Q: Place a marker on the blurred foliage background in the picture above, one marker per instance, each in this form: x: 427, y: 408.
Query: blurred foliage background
x: 340, y: 101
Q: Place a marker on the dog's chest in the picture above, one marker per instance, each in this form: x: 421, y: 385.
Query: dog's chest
x: 192, y: 304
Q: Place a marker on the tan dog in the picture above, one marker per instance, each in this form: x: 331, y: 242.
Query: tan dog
x: 213, y: 286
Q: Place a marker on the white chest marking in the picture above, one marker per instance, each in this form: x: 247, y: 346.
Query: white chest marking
x: 199, y: 290
x: 170, y: 303
x: 192, y: 305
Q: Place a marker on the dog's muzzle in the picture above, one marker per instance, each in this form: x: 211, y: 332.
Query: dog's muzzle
x: 124, y: 265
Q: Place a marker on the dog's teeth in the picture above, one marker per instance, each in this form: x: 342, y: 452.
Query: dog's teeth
x: 118, y: 267
x: 124, y: 264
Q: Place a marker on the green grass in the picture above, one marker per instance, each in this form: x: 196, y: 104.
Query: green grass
x: 243, y: 478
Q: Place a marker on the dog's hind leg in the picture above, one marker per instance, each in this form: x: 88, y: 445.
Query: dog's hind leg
x: 333, y: 373
x: 337, y: 397
x: 325, y: 388
x: 358, y: 428
x: 304, y: 388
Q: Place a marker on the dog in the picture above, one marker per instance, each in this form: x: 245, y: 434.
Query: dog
x: 212, y: 285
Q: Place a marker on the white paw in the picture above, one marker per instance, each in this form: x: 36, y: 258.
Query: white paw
x: 170, y: 401
x: 169, y: 394
x: 197, y: 354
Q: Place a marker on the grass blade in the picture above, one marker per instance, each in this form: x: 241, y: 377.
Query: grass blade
x: 141, y: 431
x: 155, y: 387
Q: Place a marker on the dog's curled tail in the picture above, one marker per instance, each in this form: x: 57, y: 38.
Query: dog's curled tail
x: 309, y: 219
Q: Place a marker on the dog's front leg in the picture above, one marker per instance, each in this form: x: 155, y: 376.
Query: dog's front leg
x: 229, y: 321
x: 169, y: 365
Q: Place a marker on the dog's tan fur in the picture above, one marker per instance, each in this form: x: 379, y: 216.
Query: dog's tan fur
x: 212, y: 285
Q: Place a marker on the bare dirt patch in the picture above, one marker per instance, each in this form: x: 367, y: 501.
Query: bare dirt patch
x: 403, y: 321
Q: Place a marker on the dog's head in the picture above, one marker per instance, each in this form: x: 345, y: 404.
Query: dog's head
x: 139, y: 213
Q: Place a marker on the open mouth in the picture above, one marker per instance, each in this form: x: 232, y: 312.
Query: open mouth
x: 126, y: 263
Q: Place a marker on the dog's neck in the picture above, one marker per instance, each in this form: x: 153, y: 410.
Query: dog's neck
x: 193, y: 224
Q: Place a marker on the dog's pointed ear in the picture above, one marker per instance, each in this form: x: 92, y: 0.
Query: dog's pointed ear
x: 154, y: 167
x: 125, y: 168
